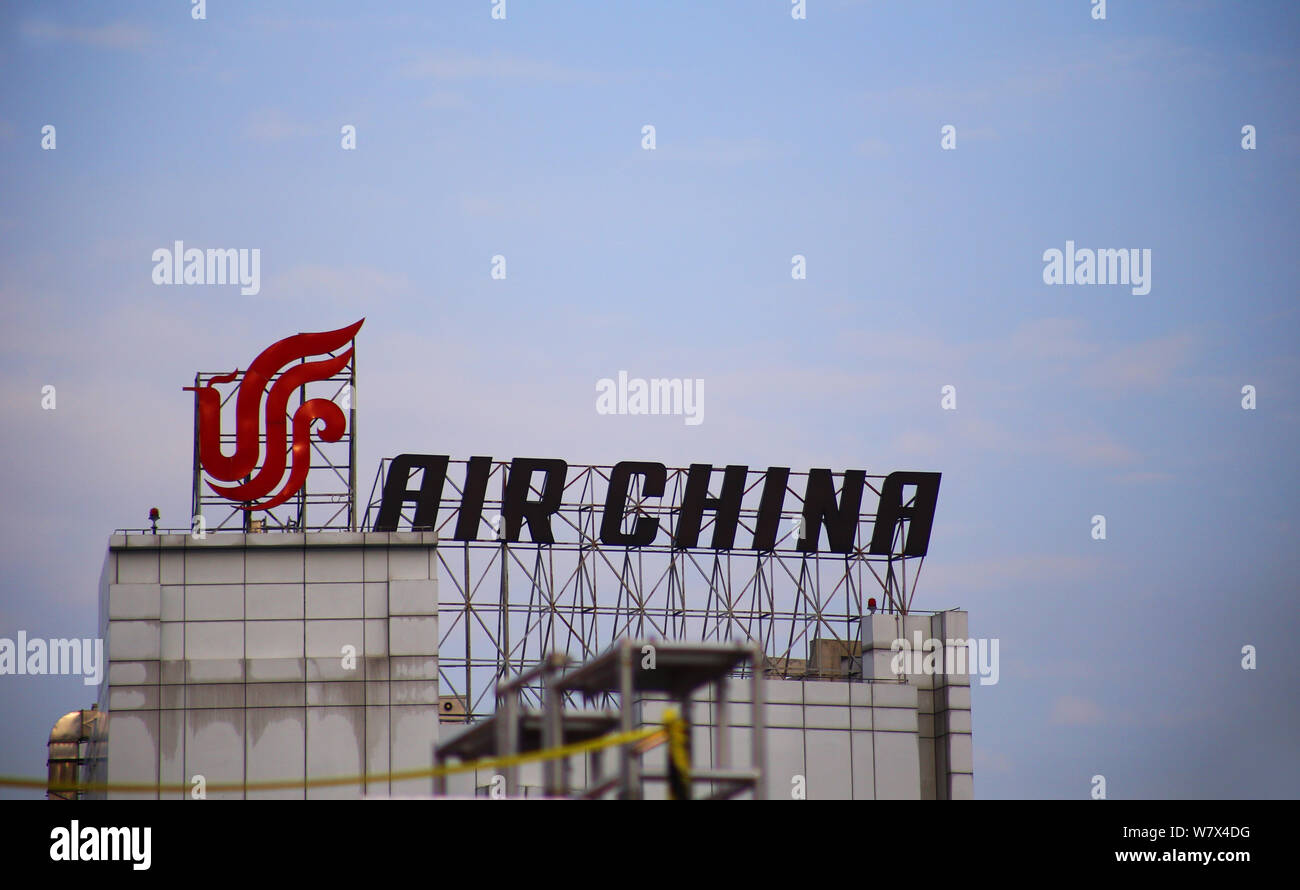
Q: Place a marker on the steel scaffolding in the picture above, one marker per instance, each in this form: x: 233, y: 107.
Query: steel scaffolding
x: 629, y: 670
x: 504, y: 605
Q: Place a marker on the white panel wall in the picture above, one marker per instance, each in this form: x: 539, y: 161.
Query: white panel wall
x: 943, y: 711
x: 826, y: 739
x: 271, y: 657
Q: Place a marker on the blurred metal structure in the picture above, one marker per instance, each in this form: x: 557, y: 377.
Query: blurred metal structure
x: 504, y: 604
x: 75, y: 751
x: 626, y: 672
x: 677, y: 670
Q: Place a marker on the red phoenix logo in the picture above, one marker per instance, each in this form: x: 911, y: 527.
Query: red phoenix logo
x: 247, y: 422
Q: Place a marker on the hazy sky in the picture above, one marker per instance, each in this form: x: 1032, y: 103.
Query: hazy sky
x: 775, y: 137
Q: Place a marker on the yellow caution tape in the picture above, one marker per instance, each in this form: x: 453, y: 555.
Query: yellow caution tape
x: 606, y: 741
x: 675, y: 728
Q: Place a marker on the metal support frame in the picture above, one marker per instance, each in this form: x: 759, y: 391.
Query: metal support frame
x: 679, y: 670
x: 684, y: 669
x: 510, y: 711
x: 504, y: 604
x: 330, y: 490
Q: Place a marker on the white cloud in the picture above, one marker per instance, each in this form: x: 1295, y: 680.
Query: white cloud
x: 1069, y: 710
x: 455, y: 65
x: 446, y: 100
x: 337, y: 285
x: 873, y: 147
x: 1144, y: 478
x: 1150, y: 364
x: 112, y: 36
x: 724, y: 151
x: 1128, y: 61
x: 271, y: 125
x: 1005, y: 574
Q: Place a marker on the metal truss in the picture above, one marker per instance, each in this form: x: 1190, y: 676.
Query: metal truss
x: 504, y: 605
x: 327, y: 500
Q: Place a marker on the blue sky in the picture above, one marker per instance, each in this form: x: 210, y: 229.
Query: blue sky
x: 775, y: 137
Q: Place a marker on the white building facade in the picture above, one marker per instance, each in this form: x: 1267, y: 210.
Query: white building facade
x: 292, y: 658
x: 270, y: 657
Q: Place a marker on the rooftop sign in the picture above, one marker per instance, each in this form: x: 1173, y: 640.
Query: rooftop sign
x: 633, y: 504
x: 638, y: 509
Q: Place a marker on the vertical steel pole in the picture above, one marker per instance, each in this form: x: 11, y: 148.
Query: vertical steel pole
x: 758, y: 752
x: 504, y: 667
x: 684, y: 704
x: 469, y: 661
x: 722, y: 741
x: 302, y: 492
x: 198, y: 470
x: 352, y: 443
x: 628, y: 768
x: 507, y: 737
x: 595, y: 763
x: 552, y: 729
x: 504, y: 606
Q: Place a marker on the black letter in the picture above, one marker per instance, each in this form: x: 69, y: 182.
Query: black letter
x: 726, y: 506
x: 769, y: 508
x: 427, y: 499
x: 471, y: 498
x: 517, y: 507
x: 819, y: 505
x: 611, y: 524
x: 892, y: 511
